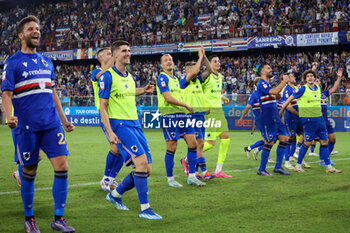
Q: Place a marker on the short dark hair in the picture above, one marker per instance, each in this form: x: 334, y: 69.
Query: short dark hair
x: 212, y: 56
x: 306, y: 72
x: 29, y: 18
x: 261, y: 67
x: 101, y: 50
x: 116, y: 44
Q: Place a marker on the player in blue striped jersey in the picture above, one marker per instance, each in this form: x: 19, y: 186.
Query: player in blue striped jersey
x: 28, y: 85
x: 271, y: 125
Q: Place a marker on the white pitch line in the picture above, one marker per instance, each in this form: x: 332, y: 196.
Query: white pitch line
x: 152, y: 177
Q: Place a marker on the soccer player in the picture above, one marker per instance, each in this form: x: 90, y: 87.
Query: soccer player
x: 174, y: 121
x: 192, y: 85
x: 310, y: 113
x: 271, y: 126
x: 212, y: 88
x: 254, y: 103
x: 324, y: 96
x: 28, y: 85
x: 291, y: 120
x: 114, y: 161
x: 119, y: 115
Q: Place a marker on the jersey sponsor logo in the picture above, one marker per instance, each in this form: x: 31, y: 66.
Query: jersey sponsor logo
x: 45, y: 63
x: 163, y: 84
x: 25, y: 64
x: 35, y: 61
x: 25, y: 74
x: 102, y: 86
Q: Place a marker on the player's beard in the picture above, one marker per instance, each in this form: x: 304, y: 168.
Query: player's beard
x: 30, y: 44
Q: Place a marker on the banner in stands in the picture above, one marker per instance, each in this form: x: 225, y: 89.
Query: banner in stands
x: 64, y: 55
x: 154, y: 49
x: 271, y: 41
x: 150, y: 118
x: 188, y: 47
x: 344, y: 37
x: 201, y: 19
x: 89, y: 53
x: 317, y: 39
x: 234, y: 44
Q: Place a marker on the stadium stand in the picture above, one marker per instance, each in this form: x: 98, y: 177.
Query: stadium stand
x: 83, y: 23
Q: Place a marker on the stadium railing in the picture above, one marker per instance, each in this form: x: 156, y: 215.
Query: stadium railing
x: 337, y: 99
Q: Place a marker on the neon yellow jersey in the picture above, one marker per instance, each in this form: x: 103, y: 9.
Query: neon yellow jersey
x: 194, y: 96
x: 212, y: 88
x: 310, y: 103
x: 95, y: 87
x: 175, y: 91
x: 121, y: 102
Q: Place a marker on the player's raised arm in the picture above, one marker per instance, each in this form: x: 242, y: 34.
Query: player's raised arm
x: 276, y: 90
x: 337, y: 82
x: 205, y: 74
x: 194, y: 70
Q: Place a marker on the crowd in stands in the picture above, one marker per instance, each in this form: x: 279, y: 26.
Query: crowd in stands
x: 95, y: 23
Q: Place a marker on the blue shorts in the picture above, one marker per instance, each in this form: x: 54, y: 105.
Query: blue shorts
x: 314, y: 127
x: 271, y: 131
x: 330, y: 128
x: 176, y: 126
x: 133, y: 143
x: 199, y: 131
x: 51, y: 141
x: 294, y: 127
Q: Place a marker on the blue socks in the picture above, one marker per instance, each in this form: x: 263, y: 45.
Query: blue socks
x: 141, y: 184
x: 118, y: 164
x: 293, y: 145
x: 324, y: 154
x: 192, y: 159
x: 111, y: 157
x: 257, y: 144
x: 330, y: 147
x: 201, y: 163
x: 27, y: 193
x: 302, y: 153
x: 280, y: 152
x: 60, y: 191
x: 169, y: 162
x: 287, y: 151
x: 127, y: 184
x: 261, y: 147
x: 264, y: 157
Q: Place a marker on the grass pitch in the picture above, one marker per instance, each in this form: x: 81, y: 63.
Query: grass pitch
x: 310, y: 202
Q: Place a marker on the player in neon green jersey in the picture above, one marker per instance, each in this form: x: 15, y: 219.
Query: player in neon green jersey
x: 212, y: 88
x: 114, y: 161
x: 313, y: 123
x: 175, y: 120
x: 193, y: 95
x: 119, y: 116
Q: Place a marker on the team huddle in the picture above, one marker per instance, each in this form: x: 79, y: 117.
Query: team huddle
x: 186, y: 104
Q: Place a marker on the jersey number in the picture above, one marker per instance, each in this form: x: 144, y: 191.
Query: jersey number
x: 62, y: 140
